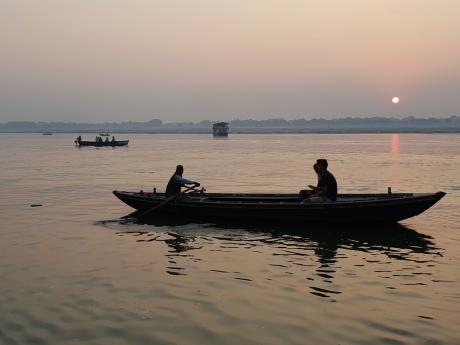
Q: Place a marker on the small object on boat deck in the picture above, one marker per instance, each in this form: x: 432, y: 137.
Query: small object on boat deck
x: 36, y: 205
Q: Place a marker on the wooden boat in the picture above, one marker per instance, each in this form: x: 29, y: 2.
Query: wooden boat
x: 282, y: 208
x: 101, y: 143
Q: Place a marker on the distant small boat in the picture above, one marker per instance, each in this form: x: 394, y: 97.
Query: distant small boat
x: 104, y: 134
x: 282, y: 208
x: 47, y: 133
x: 80, y: 142
x: 220, y: 129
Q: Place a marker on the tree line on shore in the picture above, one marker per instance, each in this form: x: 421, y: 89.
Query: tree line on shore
x: 452, y: 122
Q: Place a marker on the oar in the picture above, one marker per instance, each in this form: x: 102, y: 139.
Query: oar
x: 165, y: 202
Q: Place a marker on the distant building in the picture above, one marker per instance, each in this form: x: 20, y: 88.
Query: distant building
x: 220, y: 129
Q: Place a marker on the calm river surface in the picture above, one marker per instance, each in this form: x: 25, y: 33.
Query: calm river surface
x: 73, y: 271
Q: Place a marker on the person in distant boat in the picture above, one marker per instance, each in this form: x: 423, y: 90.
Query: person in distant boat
x: 106, y: 139
x: 113, y: 138
x: 79, y: 138
x: 326, y: 189
x: 176, y: 182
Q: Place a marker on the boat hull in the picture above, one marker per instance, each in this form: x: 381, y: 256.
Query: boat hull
x: 103, y: 143
x: 351, y: 208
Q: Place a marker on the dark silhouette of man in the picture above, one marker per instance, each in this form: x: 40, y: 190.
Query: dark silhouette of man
x: 176, y: 182
x: 326, y: 189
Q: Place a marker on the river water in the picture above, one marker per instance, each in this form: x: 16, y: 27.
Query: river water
x: 75, y: 271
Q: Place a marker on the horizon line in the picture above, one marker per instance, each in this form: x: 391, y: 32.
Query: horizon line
x: 411, y: 117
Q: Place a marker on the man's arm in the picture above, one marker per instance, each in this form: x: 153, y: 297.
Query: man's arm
x: 313, y: 188
x: 320, y: 191
x: 323, y: 185
x: 181, y: 180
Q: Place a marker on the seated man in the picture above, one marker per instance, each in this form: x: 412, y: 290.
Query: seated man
x: 176, y: 182
x: 326, y: 189
x: 327, y: 185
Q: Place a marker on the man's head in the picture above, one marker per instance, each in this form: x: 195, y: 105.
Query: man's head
x: 322, y: 162
x: 317, y: 168
x: 179, y: 170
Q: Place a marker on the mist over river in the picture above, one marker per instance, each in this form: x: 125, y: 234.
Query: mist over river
x: 75, y: 270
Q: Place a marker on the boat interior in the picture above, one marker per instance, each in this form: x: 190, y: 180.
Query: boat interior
x: 293, y: 197
x: 284, y: 198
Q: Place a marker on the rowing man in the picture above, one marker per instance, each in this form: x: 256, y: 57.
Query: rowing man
x: 176, y: 182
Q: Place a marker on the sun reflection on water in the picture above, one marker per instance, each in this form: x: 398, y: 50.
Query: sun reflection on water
x: 394, y: 167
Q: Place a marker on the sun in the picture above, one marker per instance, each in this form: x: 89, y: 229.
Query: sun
x: 395, y: 100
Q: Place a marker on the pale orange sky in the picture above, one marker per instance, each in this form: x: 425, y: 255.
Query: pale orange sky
x: 101, y: 60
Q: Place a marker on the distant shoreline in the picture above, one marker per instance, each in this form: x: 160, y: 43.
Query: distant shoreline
x: 203, y: 131
x: 237, y: 126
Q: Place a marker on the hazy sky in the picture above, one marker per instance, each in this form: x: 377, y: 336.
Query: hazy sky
x: 187, y: 60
